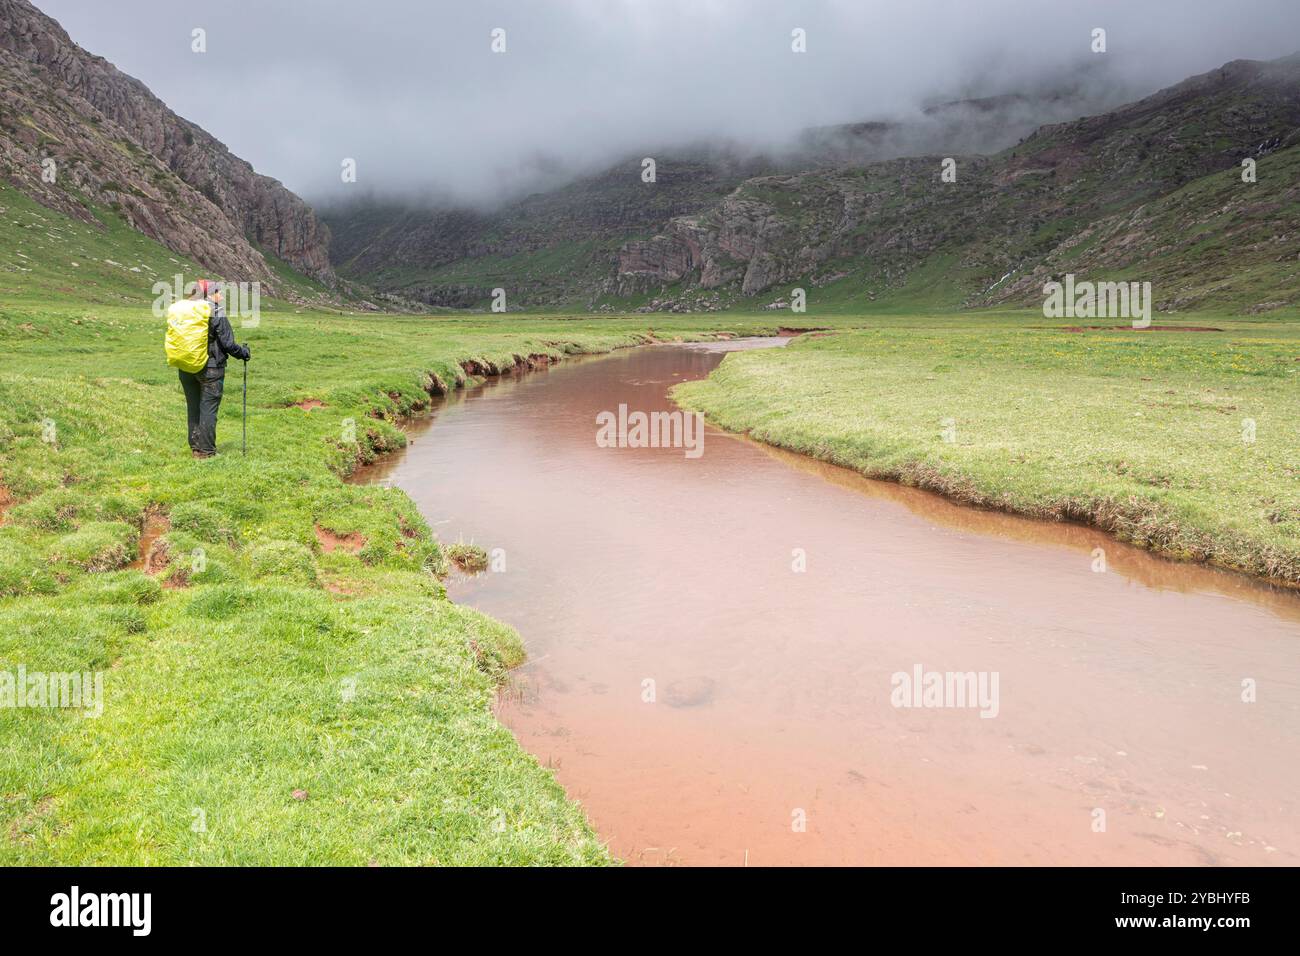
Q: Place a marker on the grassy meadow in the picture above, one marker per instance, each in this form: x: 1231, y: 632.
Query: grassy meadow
x: 284, y: 679
x: 1183, y: 442
x: 287, y: 632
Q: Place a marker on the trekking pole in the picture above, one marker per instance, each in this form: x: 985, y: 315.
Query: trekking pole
x: 245, y: 408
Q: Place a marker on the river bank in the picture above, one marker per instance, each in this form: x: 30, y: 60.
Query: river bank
x: 1181, y: 442
x: 716, y: 642
x: 283, y: 679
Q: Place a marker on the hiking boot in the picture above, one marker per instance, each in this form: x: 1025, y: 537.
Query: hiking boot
x: 203, y: 454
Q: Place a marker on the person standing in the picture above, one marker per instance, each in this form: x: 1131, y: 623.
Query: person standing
x: 201, y: 364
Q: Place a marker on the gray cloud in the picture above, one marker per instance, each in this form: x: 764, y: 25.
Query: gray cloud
x: 411, y: 91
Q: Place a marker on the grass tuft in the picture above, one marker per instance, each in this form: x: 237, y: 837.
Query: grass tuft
x: 470, y: 558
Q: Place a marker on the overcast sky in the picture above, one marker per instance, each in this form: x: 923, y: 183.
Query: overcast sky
x: 412, y: 91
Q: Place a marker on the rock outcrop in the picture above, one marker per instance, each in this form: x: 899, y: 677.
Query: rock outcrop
x: 545, y: 249
x: 612, y: 234
x: 1007, y: 223
x: 115, y: 144
x: 866, y: 213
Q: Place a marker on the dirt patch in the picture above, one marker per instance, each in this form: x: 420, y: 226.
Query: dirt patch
x: 519, y: 363
x: 793, y: 330
x: 331, y: 541
x: 531, y: 362
x: 342, y: 588
x: 307, y: 404
x: 152, y: 555
x: 20, y: 829
x: 6, y: 502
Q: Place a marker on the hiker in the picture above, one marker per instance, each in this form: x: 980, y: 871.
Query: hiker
x: 198, y: 340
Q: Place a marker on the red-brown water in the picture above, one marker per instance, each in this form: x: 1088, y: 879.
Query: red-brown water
x: 770, y: 737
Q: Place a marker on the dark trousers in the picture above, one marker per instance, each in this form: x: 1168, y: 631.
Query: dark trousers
x: 202, y: 400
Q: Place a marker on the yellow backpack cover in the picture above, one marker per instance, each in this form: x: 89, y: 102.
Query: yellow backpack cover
x: 187, y: 334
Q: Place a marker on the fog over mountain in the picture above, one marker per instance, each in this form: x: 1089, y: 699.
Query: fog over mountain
x: 412, y: 91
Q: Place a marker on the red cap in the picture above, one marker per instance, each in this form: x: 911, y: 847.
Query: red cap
x: 203, y: 286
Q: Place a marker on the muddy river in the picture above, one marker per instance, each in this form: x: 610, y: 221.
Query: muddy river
x: 741, y: 656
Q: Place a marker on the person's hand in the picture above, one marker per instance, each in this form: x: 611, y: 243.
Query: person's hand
x: 248, y: 353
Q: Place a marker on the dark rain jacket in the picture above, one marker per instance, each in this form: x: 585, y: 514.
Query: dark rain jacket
x: 221, y: 339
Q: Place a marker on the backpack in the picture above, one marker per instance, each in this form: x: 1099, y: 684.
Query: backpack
x: 187, y: 334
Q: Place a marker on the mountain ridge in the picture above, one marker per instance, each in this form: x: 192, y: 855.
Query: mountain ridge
x: 870, y: 231
x: 1001, y: 215
x: 117, y: 145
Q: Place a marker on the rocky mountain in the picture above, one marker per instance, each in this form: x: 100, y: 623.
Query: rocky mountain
x: 561, y: 247
x: 1008, y: 221
x: 75, y: 132
x: 863, y: 215
x: 560, y: 244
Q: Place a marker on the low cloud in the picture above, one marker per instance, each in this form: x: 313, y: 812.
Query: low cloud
x: 411, y: 90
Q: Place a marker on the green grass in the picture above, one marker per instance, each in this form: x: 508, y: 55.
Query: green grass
x: 284, y: 679
x: 470, y: 558
x: 1139, y: 433
x: 45, y: 256
x: 243, y: 660
x: 225, y: 667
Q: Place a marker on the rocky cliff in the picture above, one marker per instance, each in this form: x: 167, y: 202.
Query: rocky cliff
x: 608, y: 236
x: 114, y: 144
x: 1009, y: 222
x: 862, y: 213
x: 549, y: 248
